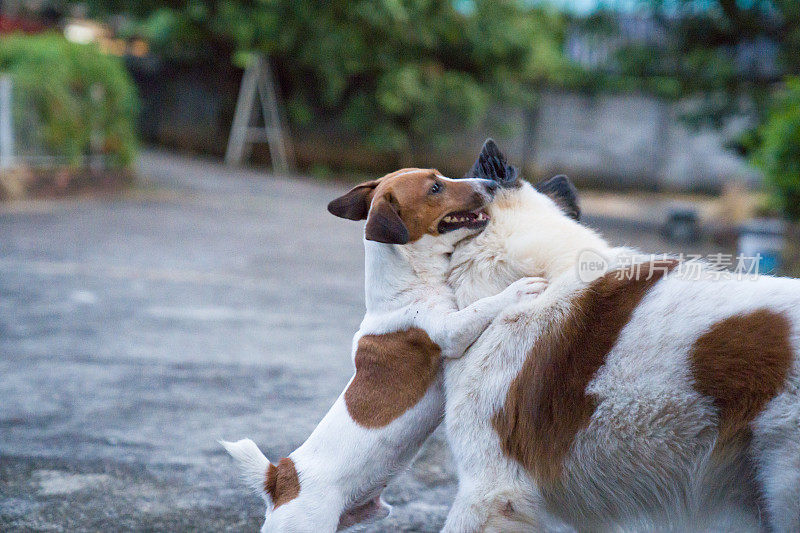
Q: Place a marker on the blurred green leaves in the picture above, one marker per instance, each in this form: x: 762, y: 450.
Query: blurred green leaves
x: 397, y: 72
x: 85, y: 99
x: 724, y: 54
x: 778, y: 153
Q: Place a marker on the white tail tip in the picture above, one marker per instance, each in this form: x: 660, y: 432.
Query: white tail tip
x: 252, y: 463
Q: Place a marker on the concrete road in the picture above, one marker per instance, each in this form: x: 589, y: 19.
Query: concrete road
x: 137, y: 330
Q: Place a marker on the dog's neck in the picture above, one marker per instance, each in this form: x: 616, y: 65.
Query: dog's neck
x: 396, y: 274
x: 529, y: 235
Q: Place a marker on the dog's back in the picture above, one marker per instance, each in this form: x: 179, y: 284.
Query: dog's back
x: 691, y: 408
x: 658, y: 403
x: 652, y: 398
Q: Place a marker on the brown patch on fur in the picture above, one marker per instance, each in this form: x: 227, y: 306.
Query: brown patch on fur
x: 393, y: 373
x: 742, y: 363
x: 282, y: 483
x: 547, y: 402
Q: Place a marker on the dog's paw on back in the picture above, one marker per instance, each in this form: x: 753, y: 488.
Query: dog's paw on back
x: 492, y: 165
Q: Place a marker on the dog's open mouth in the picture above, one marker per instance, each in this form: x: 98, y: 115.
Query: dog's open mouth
x: 463, y: 219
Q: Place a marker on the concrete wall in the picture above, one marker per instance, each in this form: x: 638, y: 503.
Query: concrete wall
x: 609, y: 141
x: 630, y: 141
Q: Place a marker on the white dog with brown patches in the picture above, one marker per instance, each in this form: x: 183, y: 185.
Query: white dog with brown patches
x: 648, y: 397
x: 395, y: 399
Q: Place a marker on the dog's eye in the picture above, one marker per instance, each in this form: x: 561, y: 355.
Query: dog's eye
x: 436, y: 188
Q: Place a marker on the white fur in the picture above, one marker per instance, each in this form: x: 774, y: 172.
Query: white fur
x: 252, y: 463
x: 644, y: 462
x: 343, y: 467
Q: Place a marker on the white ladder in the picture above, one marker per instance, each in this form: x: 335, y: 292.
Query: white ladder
x: 257, y: 81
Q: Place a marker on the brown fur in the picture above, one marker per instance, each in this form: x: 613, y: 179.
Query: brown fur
x: 547, y: 402
x: 403, y: 196
x: 282, y: 483
x: 742, y: 363
x: 393, y: 373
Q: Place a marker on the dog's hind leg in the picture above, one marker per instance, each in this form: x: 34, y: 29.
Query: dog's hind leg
x: 478, y: 509
x: 469, y: 512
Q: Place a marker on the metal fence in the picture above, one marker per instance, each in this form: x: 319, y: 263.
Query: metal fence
x: 23, y: 134
x: 7, y: 139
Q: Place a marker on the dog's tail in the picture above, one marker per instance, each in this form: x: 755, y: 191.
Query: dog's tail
x: 252, y: 464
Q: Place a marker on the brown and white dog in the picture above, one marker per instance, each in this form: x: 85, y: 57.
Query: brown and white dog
x: 666, y: 400
x: 415, y: 218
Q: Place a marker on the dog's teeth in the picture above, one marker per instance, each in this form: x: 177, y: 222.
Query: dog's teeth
x: 465, y: 219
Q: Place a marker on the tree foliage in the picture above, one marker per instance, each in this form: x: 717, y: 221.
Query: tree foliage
x: 397, y: 71
x: 730, y: 55
x: 85, y: 99
x: 726, y: 54
x: 779, y: 152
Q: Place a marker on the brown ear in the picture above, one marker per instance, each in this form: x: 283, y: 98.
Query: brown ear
x: 355, y: 204
x: 384, y: 224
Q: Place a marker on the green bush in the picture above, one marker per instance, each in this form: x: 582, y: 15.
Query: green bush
x: 778, y: 153
x: 85, y: 99
x: 397, y: 72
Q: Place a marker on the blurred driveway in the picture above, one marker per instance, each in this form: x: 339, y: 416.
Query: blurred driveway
x: 137, y: 330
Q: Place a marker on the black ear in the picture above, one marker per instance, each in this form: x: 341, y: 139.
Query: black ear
x: 563, y: 192
x: 385, y: 225
x: 355, y: 204
x: 492, y: 165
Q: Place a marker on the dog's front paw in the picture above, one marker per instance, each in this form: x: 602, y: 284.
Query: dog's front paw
x: 525, y: 288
